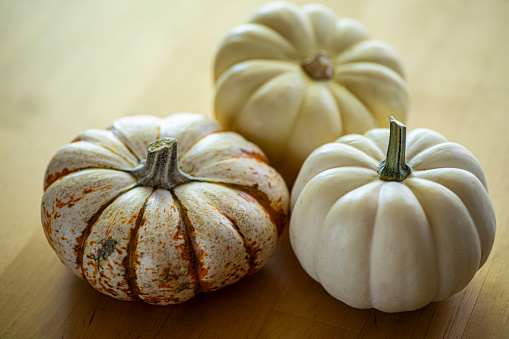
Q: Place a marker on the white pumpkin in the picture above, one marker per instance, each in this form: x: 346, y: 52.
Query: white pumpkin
x: 398, y: 243
x: 294, y: 78
x: 138, y: 220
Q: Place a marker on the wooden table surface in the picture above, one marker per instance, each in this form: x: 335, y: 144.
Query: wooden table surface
x: 66, y: 66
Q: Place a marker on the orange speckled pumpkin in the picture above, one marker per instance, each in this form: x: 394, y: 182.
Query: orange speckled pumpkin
x: 141, y: 217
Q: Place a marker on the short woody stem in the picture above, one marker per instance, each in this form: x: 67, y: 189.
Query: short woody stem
x: 318, y: 66
x: 394, y: 167
x: 161, y: 168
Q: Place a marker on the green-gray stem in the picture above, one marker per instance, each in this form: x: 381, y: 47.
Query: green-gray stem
x: 161, y: 168
x: 394, y: 167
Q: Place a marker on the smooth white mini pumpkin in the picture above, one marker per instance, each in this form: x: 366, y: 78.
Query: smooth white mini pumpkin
x: 390, y: 234
x: 294, y: 78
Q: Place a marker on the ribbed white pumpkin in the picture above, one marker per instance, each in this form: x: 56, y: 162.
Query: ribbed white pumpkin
x: 138, y: 220
x: 388, y: 244
x: 294, y: 78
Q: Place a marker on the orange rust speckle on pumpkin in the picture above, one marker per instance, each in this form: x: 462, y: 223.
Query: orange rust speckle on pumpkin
x: 111, y: 291
x: 72, y: 201
x: 90, y: 190
x: 46, y: 221
x: 191, y: 252
x: 275, y: 209
x: 254, y: 155
x: 133, y: 218
x: 51, y: 178
x: 131, y: 259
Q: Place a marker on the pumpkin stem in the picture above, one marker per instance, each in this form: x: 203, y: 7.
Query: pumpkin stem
x: 319, y: 66
x: 161, y: 168
x: 394, y: 167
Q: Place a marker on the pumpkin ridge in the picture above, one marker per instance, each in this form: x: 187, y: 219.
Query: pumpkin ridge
x: 376, y: 157
x: 474, y: 225
x: 465, y: 156
x: 117, y: 154
x: 78, y: 139
x: 361, y: 153
x: 358, y: 46
x: 354, y: 71
x: 371, y: 248
x: 437, y: 263
x: 257, y: 61
x: 475, y: 231
x: 372, y: 241
x: 295, y: 50
x: 294, y: 16
x: 191, y: 252
x: 130, y: 260
x: 362, y: 102
x: 250, y: 251
x: 51, y: 179
x: 79, y: 249
x: 463, y: 203
x: 236, y: 117
x: 249, y: 155
x: 197, y: 141
x: 294, y: 123
x: 330, y: 85
x: 120, y: 137
x: 250, y: 29
x: 376, y: 187
x: 421, y: 142
x: 277, y: 216
x: 478, y: 227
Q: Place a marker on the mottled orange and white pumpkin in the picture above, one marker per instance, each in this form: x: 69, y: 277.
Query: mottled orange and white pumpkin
x: 139, y: 217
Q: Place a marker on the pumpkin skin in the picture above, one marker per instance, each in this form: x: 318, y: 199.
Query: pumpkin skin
x: 132, y: 238
x: 269, y: 89
x: 394, y: 246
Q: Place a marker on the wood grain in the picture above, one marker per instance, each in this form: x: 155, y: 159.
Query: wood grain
x: 69, y: 65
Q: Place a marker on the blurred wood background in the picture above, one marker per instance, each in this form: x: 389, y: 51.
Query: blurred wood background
x: 69, y: 65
